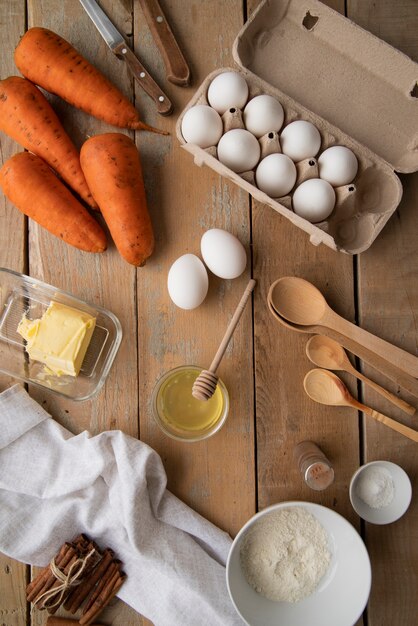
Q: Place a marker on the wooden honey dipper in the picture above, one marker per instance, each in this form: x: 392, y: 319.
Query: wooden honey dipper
x: 205, y: 384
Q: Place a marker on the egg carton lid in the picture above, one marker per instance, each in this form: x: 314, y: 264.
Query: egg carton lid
x: 339, y: 71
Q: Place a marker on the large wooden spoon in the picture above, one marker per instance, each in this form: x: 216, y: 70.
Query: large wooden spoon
x: 326, y: 388
x: 330, y: 355
x: 380, y: 364
x: 302, y: 303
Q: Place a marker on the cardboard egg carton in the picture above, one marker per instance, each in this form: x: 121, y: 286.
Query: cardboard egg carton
x: 356, y: 89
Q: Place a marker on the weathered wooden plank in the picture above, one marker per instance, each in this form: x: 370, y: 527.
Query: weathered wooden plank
x: 103, y: 279
x: 388, y: 305
x: 284, y: 414
x: 13, y: 610
x: 215, y: 477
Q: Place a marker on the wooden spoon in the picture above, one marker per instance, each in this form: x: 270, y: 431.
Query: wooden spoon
x: 302, y: 303
x: 330, y: 355
x: 326, y: 388
x: 378, y: 363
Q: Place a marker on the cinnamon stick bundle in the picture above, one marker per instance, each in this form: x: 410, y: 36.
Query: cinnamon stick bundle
x: 89, y: 550
x: 46, y: 578
x: 94, y: 585
x: 80, y: 593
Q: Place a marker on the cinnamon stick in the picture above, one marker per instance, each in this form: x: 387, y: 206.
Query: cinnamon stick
x: 43, y: 604
x: 92, y: 562
x: 112, y: 570
x: 43, y: 574
x: 46, y: 578
x: 103, y: 600
x: 63, y: 621
x: 80, y: 593
x: 85, y: 546
x: 35, y: 586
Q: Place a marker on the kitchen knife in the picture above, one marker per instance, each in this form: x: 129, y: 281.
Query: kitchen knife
x: 178, y: 71
x: 119, y: 47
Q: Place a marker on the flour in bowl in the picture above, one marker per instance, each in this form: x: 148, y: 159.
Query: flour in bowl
x: 285, y: 554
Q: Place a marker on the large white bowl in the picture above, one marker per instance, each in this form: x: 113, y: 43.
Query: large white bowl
x: 342, y: 594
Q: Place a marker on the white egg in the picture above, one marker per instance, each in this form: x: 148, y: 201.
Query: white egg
x: 239, y: 150
x: 314, y: 200
x: 276, y: 175
x: 300, y: 140
x: 263, y: 114
x: 202, y: 126
x: 188, y: 282
x: 227, y: 90
x: 223, y: 253
x: 338, y: 165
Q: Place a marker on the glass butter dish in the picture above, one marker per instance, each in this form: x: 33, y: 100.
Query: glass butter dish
x: 23, y: 296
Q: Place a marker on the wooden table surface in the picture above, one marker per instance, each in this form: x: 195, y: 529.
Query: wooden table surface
x: 248, y: 464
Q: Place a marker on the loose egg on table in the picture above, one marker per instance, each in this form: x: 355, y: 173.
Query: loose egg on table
x: 314, y: 200
x: 239, y: 150
x: 276, y: 175
x: 187, y: 282
x: 223, y: 253
x: 300, y: 140
x: 202, y: 126
x: 227, y: 90
x: 338, y: 165
x: 263, y: 114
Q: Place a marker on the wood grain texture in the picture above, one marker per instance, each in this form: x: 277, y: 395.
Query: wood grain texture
x: 13, y: 610
x: 284, y: 414
x: 103, y: 279
x: 388, y: 305
x: 243, y: 467
x: 184, y: 202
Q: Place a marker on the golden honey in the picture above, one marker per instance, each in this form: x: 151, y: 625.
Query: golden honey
x: 179, y: 414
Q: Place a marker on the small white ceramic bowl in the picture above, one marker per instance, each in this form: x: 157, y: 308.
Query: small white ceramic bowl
x: 401, y: 497
x: 339, y: 599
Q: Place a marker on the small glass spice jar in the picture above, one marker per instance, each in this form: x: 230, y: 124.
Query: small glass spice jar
x: 316, y: 470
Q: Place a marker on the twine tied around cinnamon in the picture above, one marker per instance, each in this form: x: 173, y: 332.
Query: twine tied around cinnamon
x: 69, y: 580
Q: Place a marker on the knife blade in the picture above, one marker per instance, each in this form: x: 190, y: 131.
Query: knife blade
x: 120, y: 48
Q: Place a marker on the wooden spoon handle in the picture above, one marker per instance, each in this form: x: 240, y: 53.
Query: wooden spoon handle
x: 404, y: 380
x: 388, y: 421
x: 401, y: 404
x: 403, y: 360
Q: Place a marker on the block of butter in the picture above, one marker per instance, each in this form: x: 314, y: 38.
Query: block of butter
x: 59, y: 339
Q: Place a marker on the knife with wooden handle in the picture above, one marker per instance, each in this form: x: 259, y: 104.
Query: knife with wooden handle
x: 120, y: 48
x: 178, y: 71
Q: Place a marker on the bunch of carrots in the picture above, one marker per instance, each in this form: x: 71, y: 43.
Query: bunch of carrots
x: 106, y: 175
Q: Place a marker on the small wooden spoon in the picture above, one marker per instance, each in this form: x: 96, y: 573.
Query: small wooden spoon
x: 326, y: 388
x: 330, y: 355
x: 302, y: 303
x: 380, y: 364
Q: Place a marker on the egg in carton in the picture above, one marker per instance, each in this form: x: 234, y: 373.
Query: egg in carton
x: 336, y: 76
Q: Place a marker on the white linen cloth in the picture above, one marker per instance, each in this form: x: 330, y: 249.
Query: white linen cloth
x: 54, y: 485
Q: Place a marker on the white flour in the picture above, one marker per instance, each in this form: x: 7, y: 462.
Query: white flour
x: 285, y: 554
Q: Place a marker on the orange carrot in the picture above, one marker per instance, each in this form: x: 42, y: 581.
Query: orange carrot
x: 27, y: 117
x: 112, y: 168
x: 34, y: 189
x: 51, y: 62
